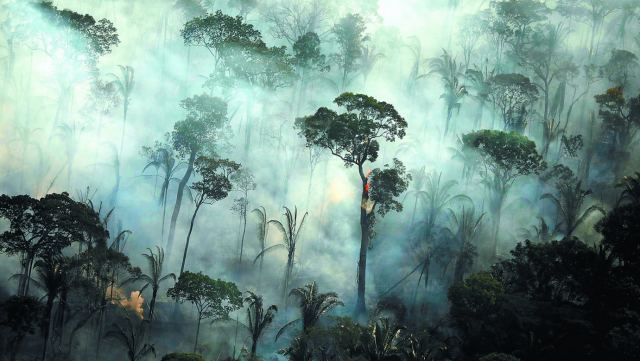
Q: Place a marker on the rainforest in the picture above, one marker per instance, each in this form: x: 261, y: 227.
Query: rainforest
x: 319, y: 180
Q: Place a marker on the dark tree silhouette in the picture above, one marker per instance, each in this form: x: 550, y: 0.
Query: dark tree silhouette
x: 204, y: 129
x: 354, y: 137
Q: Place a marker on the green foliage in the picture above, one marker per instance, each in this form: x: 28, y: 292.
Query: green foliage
x: 307, y: 55
x: 475, y: 297
x: 512, y: 94
x: 386, y: 184
x: 215, y: 183
x: 94, y: 38
x: 214, y: 299
x: 219, y: 32
x: 313, y: 305
x: 350, y: 35
x: 620, y: 68
x: 620, y: 118
x: 204, y: 128
x: 353, y: 136
x: 508, y: 155
x: 569, y: 204
x: 258, y: 318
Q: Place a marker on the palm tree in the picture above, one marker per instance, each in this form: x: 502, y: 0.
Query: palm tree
x: 132, y: 338
x: 569, y: 201
x: 312, y: 305
x: 481, y: 86
x: 382, y: 340
x: 124, y: 83
x: 163, y: 160
x: 437, y: 196
x: 450, y: 72
x: 154, y: 278
x: 290, y: 235
x: 263, y: 228
x: 465, y: 230
x: 258, y: 318
x: 53, y: 279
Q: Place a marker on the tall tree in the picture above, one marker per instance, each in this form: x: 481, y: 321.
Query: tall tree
x: 214, y: 186
x: 621, y: 122
x: 505, y: 156
x: 44, y: 227
x: 466, y: 227
x: 290, y: 237
x: 162, y: 158
x: 513, y: 94
x: 204, y: 129
x: 154, y: 277
x: 213, y: 299
x: 243, y: 183
x: 124, y: 83
x: 450, y: 72
x: 354, y: 137
x: 258, y: 319
x: 263, y: 229
x: 350, y: 36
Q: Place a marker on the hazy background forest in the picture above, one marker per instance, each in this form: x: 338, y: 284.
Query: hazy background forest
x: 197, y: 122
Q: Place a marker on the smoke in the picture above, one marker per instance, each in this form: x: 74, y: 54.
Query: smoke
x: 55, y: 139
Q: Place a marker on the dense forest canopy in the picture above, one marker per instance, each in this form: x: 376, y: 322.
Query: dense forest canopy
x: 309, y: 180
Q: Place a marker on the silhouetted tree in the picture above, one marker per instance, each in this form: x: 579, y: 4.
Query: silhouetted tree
x: 214, y: 186
x: 153, y: 278
x: 505, y: 157
x: 354, y: 138
x: 258, y: 319
x: 204, y: 129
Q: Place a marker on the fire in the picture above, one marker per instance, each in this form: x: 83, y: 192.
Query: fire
x: 366, y: 185
x: 134, y: 302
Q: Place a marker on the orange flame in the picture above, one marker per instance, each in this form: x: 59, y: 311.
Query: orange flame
x: 134, y: 302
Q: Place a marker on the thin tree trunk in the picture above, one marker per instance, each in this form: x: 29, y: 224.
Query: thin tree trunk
x: 244, y: 230
x: 176, y: 208
x: 186, y: 245
x: 364, y: 245
x: 195, y: 345
x: 47, y: 326
x: 152, y: 305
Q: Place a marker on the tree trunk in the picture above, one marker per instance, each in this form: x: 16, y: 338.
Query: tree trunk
x: 287, y: 278
x: 244, y: 230
x: 364, y: 245
x: 124, y: 122
x: 176, y: 207
x: 195, y: 345
x: 46, y: 326
x: 186, y: 245
x: 152, y: 304
x: 496, y: 228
